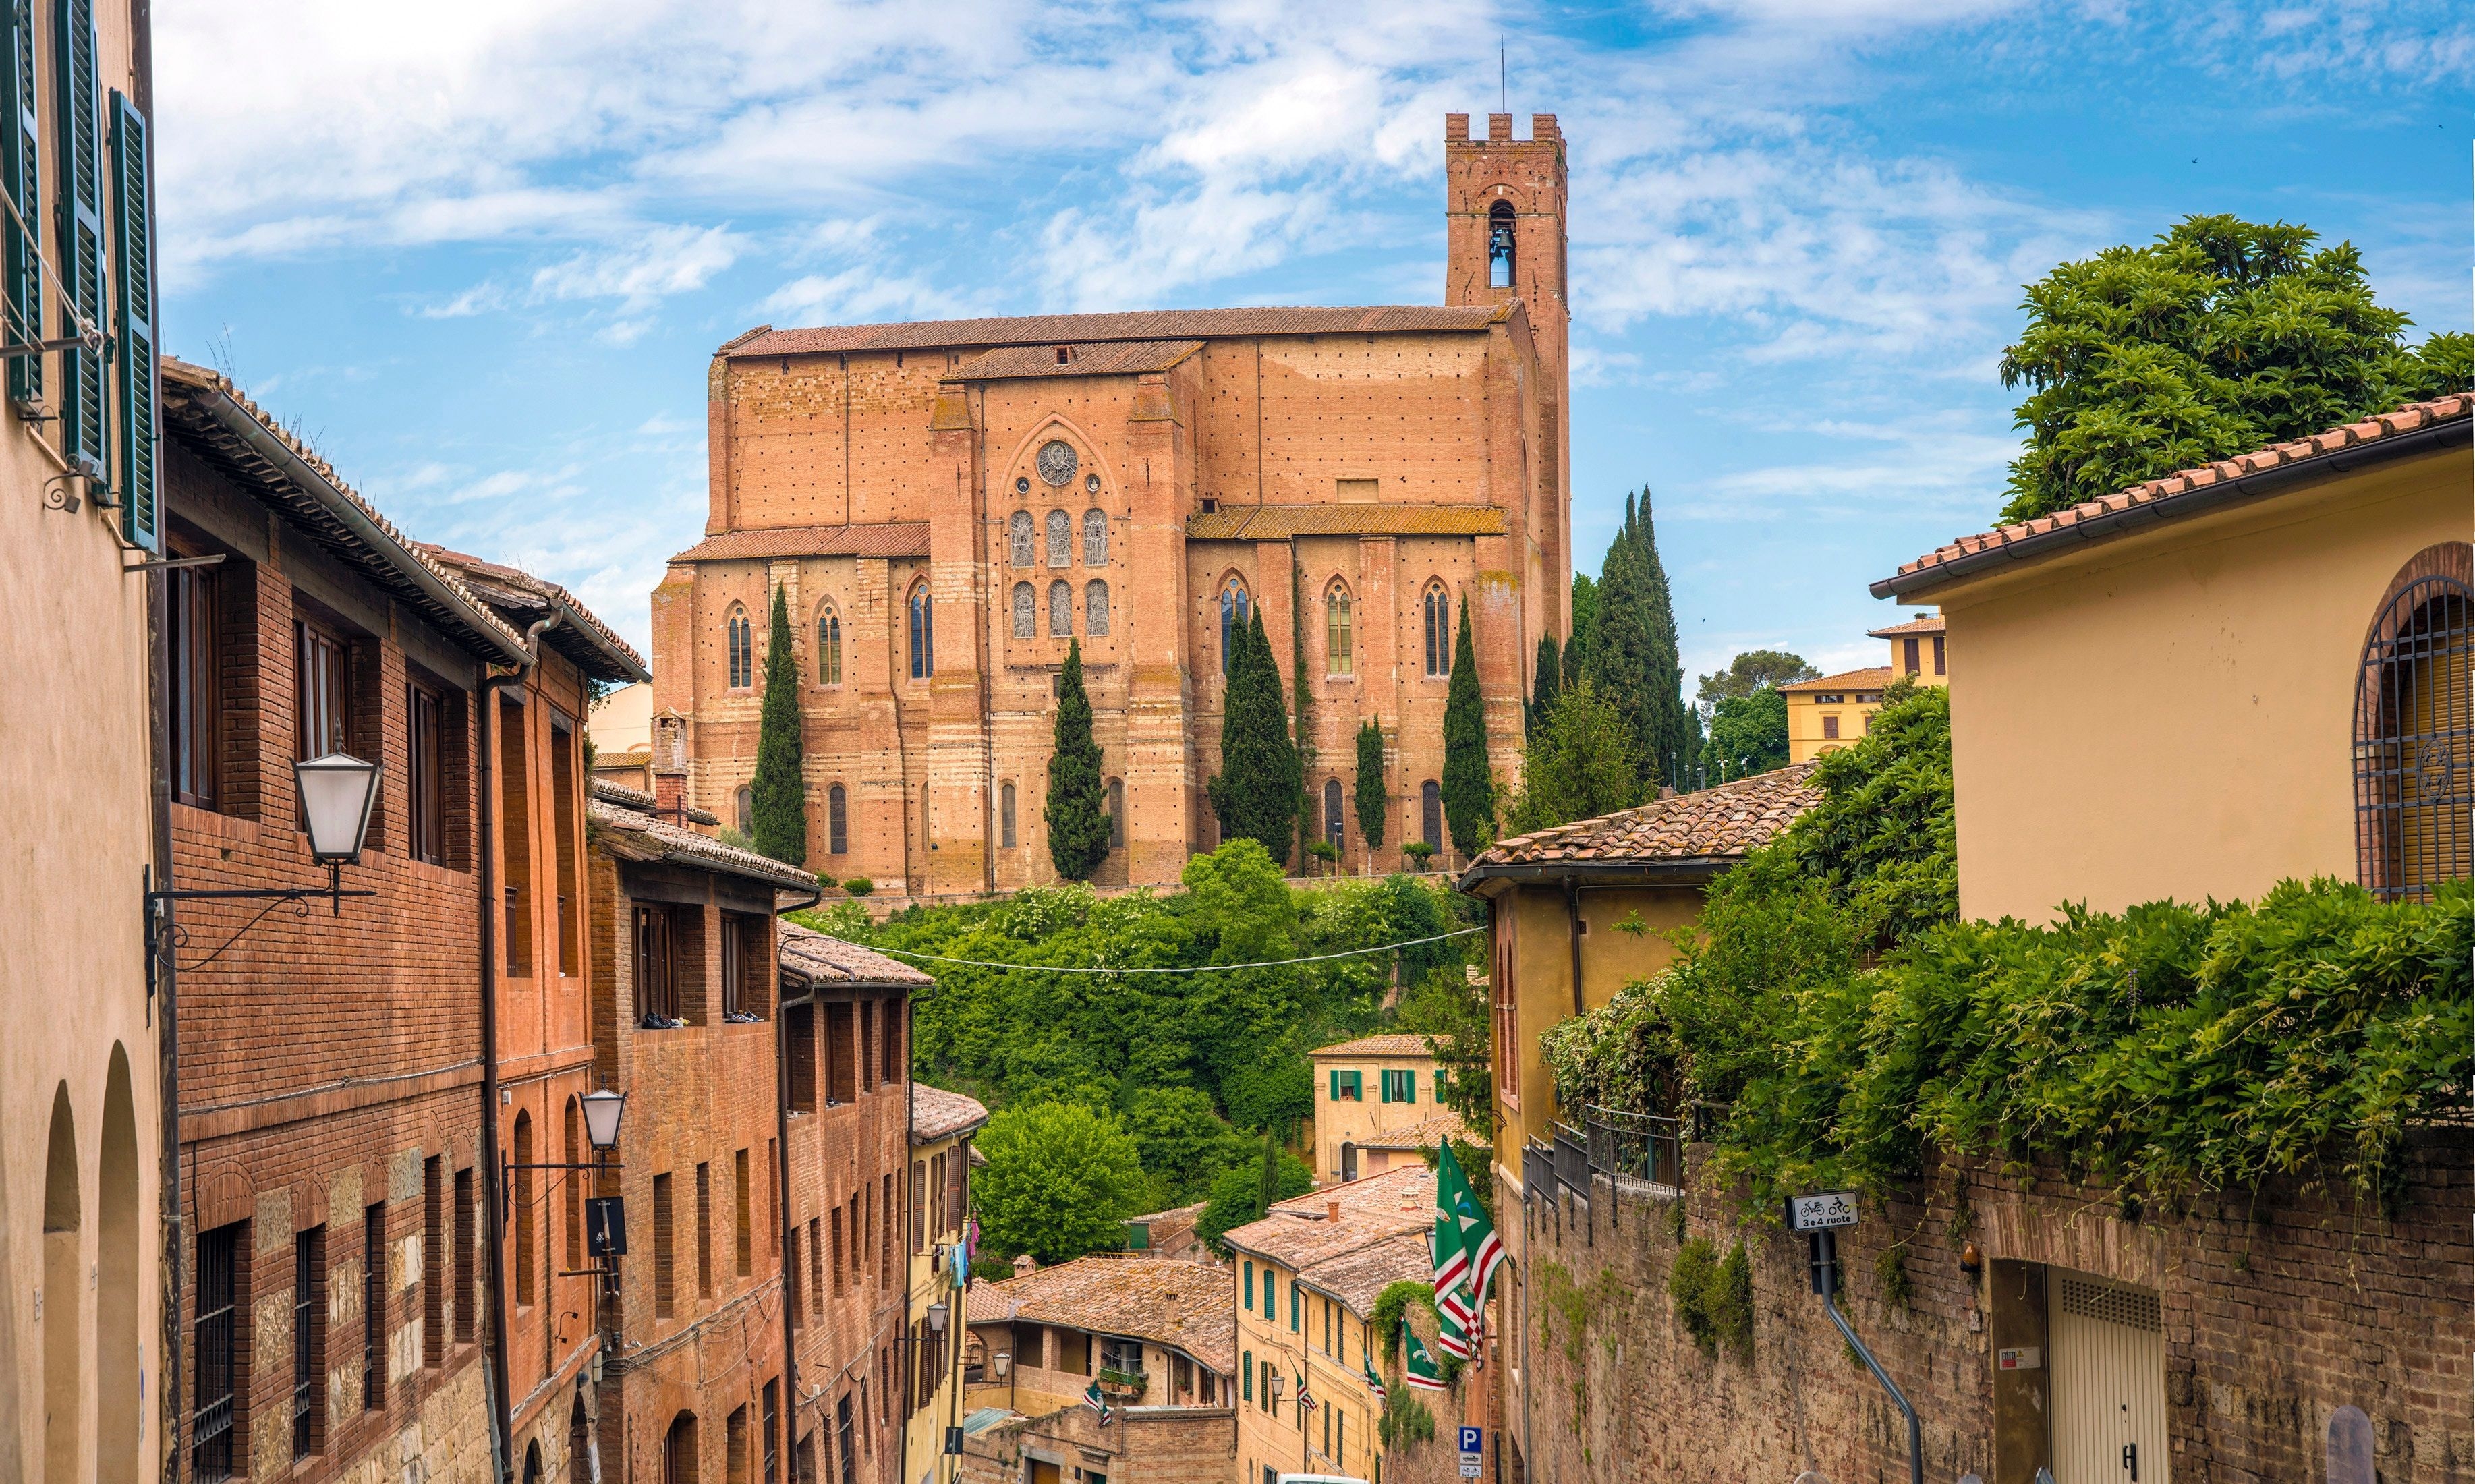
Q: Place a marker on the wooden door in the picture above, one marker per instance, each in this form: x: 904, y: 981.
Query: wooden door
x: 2109, y: 1386
x: 1044, y: 1472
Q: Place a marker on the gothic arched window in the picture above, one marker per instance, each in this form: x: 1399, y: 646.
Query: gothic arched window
x: 1339, y: 645
x: 1095, y: 539
x: 1499, y: 245
x: 742, y: 642
x: 923, y: 633
x: 1005, y: 814
x: 1431, y: 813
x: 1438, y: 612
x: 1233, y: 621
x: 1061, y: 539
x: 836, y: 822
x: 1096, y: 608
x: 1116, y: 814
x: 1331, y: 830
x: 2414, y: 730
x: 1020, y: 537
x: 829, y: 646
x: 1060, y: 610
x: 1026, y: 612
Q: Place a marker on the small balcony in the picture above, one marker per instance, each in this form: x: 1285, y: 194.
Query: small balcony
x: 1122, y: 1383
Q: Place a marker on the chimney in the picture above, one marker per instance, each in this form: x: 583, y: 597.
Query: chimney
x: 1331, y: 1211
x: 668, y: 795
x: 1024, y: 1264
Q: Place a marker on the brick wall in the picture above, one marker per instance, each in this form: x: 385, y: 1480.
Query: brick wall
x: 1149, y: 1444
x: 2277, y: 1308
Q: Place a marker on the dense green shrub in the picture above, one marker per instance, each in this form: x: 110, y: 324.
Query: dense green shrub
x: 1404, y: 1420
x: 1714, y: 1295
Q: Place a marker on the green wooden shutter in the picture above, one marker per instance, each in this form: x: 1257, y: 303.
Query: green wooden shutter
x: 80, y: 243
x: 1410, y: 1086
x: 1336, y: 1085
x: 21, y: 294
x: 1250, y: 1285
x: 133, y: 253
x: 1246, y: 1369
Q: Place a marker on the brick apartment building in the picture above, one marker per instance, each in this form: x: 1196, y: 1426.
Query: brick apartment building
x: 845, y: 1041
x: 945, y: 506
x: 693, y: 1382
x: 332, y: 1058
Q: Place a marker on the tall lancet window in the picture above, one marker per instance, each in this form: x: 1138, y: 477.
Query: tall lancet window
x: 1499, y: 245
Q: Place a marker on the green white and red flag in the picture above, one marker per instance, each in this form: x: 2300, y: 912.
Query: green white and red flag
x: 1466, y: 1249
x: 1421, y: 1369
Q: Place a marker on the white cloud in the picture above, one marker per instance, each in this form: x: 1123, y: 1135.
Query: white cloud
x: 651, y: 266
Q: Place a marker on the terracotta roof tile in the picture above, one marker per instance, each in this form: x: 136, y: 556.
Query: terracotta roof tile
x: 597, y: 648
x: 1874, y: 678
x: 1087, y: 358
x: 635, y: 835
x: 2167, y: 487
x: 1278, y: 523
x: 1931, y: 623
x: 1192, y: 1306
x: 1722, y: 821
x: 893, y: 537
x: 821, y: 958
x: 1426, y: 1133
x: 1377, y: 1046
x: 1359, y: 1278
x: 938, y: 1114
x: 1056, y: 329
x: 1298, y: 1235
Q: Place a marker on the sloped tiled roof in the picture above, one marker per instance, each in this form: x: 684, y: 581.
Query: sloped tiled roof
x: 635, y: 835
x: 1377, y: 1046
x: 594, y: 647
x: 1359, y: 1278
x: 1931, y: 623
x: 939, y: 1114
x: 1426, y: 1133
x: 1192, y: 1306
x: 822, y: 958
x: 1279, y: 522
x: 2097, y: 519
x: 1723, y: 822
x: 1298, y: 1233
x: 208, y: 414
x: 1093, y: 358
x: 1873, y: 678
x: 890, y: 537
x: 1055, y: 329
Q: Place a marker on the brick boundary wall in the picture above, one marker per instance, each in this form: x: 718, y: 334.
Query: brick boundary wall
x: 2276, y: 1309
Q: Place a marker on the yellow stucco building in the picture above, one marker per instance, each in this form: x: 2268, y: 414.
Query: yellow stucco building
x: 1827, y: 713
x: 936, y: 1328
x: 1375, y: 1105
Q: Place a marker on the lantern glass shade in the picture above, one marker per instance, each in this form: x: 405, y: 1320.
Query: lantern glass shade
x: 1280, y: 1384
x: 937, y: 1318
x: 1003, y: 1360
x: 602, y: 1110
x: 337, y: 795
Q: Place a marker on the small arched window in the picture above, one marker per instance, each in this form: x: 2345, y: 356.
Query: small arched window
x: 1116, y: 814
x: 830, y: 645
x: 923, y: 633
x: 1095, y: 539
x: 2414, y: 730
x: 742, y: 810
x: 742, y: 641
x: 1061, y: 609
x: 1005, y: 814
x: 1096, y: 608
x: 1331, y: 805
x: 1021, y: 536
x: 1431, y: 813
x: 524, y: 1208
x: 1439, y: 613
x: 1061, y: 539
x: 836, y: 822
x: 1499, y: 245
x: 1233, y: 621
x: 1339, y: 645
x: 1026, y: 612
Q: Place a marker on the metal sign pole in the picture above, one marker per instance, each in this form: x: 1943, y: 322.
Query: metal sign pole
x: 1819, y: 1217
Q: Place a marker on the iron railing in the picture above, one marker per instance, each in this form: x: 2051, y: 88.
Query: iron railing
x: 1636, y: 1148
x: 1572, y: 1160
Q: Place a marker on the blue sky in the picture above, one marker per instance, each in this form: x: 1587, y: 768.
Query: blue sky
x: 479, y: 251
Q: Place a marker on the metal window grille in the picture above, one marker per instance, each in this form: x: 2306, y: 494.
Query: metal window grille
x: 218, y: 1338
x: 773, y: 1447
x: 2414, y: 743
x: 307, y: 1314
x: 374, y: 1263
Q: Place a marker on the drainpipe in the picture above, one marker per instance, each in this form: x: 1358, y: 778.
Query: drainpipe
x: 172, y: 1238
x: 1573, y: 916
x: 910, y: 1203
x: 493, y: 1184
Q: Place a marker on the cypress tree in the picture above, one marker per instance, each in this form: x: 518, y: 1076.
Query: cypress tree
x: 778, y: 797
x: 1544, y: 687
x: 1255, y: 792
x: 1585, y: 612
x: 1078, y: 809
x: 1676, y: 742
x: 1620, y: 643
x: 1374, y: 803
x: 1469, y: 788
x: 1304, y: 696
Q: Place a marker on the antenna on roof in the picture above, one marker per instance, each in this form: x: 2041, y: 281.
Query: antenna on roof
x: 1503, y: 78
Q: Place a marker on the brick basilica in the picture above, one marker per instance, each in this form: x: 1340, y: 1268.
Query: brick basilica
x: 945, y: 504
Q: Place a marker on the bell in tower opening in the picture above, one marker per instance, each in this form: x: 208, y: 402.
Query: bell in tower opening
x: 1499, y: 246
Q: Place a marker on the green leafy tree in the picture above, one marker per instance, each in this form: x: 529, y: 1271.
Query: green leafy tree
x: 1673, y: 738
x: 1256, y: 791
x: 1060, y: 1181
x: 1469, y: 784
x: 1546, y: 681
x: 1579, y: 765
x: 2218, y: 337
x: 1238, y: 1194
x: 1749, y: 733
x: 1373, y: 801
x: 779, y: 795
x: 1753, y: 670
x: 1078, y: 806
x: 1182, y: 1140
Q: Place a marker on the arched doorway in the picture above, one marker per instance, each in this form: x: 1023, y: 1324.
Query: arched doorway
x: 62, y: 1306
x: 532, y: 1462
x: 679, y: 1450
x: 1349, y: 1161
x: 579, y: 1443
x: 116, y: 1318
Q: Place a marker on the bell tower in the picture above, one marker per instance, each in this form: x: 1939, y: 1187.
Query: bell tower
x: 1503, y: 213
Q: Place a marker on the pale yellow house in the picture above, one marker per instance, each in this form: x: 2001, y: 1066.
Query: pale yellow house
x: 620, y: 726
x: 2269, y: 659
x: 1827, y: 713
x: 1306, y: 1278
x: 935, y: 1331
x: 1374, y: 1104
